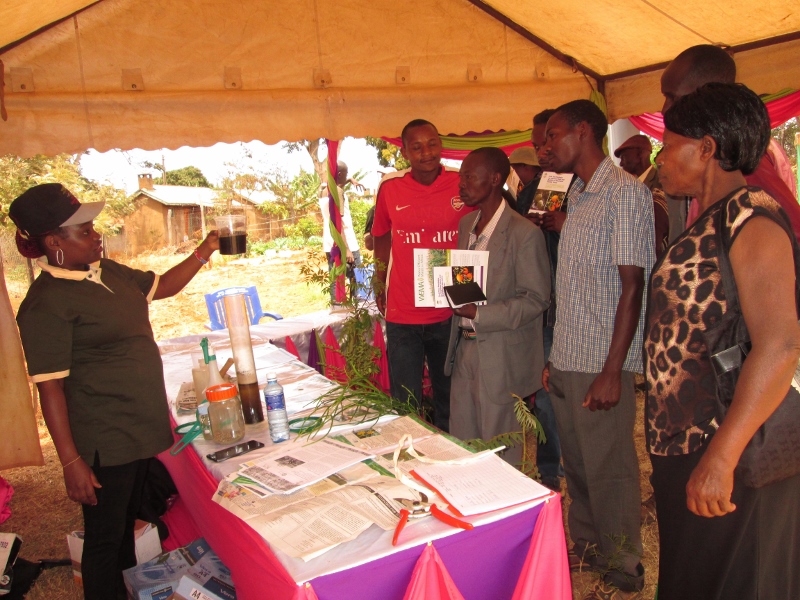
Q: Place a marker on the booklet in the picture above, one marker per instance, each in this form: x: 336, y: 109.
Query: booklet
x: 481, y: 485
x: 551, y: 192
x: 465, y: 293
x: 434, y: 269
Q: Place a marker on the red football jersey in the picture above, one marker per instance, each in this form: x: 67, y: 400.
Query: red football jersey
x: 418, y: 216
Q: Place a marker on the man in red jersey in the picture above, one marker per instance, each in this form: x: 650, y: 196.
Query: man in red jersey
x: 703, y: 64
x: 416, y: 208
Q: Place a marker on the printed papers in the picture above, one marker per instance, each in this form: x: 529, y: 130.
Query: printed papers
x: 300, y: 465
x: 482, y: 485
x: 551, y: 192
x: 379, y: 439
x: 433, y: 270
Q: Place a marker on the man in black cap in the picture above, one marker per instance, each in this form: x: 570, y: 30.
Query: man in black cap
x: 634, y: 158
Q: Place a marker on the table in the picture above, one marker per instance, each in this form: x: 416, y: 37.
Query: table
x: 525, y: 551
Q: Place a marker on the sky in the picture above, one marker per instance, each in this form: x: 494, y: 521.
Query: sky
x: 121, y: 168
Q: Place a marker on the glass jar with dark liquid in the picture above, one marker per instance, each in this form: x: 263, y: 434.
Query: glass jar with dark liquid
x: 232, y: 234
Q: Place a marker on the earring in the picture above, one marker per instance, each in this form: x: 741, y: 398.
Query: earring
x: 60, y: 257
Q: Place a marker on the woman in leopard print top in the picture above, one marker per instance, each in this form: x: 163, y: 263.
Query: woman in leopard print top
x: 718, y: 538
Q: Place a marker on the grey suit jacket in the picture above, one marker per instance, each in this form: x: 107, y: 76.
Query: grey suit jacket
x: 509, y: 331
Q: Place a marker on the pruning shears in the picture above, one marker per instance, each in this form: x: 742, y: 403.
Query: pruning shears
x: 417, y: 509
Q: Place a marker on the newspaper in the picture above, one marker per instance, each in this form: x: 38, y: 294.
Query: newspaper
x: 482, y: 485
x: 300, y: 465
x: 250, y: 501
x: 382, y: 438
x: 186, y: 401
x: 433, y: 270
x: 310, y: 528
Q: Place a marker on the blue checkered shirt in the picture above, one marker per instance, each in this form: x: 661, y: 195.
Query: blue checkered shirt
x: 609, y: 224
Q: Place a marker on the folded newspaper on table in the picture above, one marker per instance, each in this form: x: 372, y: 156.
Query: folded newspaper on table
x: 316, y: 519
x: 384, y: 437
x: 485, y: 484
x: 300, y: 464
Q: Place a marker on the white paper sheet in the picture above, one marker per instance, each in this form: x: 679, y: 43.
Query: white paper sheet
x: 485, y: 484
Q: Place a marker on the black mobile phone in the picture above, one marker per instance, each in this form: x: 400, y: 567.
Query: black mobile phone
x: 236, y: 450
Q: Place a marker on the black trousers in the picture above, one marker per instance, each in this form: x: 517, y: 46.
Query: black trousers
x: 108, y: 546
x: 752, y: 553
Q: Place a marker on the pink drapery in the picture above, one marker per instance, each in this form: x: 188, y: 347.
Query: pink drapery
x: 545, y: 573
x: 334, y: 361
x: 292, y: 348
x: 430, y: 579
x: 780, y: 111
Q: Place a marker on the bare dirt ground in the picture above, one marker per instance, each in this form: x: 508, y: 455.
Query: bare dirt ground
x: 43, y: 515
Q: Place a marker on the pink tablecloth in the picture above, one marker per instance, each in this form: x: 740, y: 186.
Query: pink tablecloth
x: 523, y: 556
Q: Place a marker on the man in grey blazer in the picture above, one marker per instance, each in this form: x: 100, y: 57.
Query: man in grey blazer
x: 496, y: 349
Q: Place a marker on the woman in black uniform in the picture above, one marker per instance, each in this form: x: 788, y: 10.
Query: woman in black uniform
x: 90, y: 350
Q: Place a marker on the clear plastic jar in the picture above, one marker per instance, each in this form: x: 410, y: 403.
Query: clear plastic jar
x: 225, y: 413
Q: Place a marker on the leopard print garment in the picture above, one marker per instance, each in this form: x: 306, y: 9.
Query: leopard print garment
x: 685, y: 297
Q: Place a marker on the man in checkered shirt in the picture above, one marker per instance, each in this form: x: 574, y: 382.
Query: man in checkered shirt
x: 606, y: 251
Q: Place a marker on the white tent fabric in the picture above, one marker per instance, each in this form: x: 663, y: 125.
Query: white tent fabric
x: 127, y: 73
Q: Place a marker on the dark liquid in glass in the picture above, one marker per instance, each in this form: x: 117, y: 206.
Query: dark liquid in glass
x: 251, y: 403
x: 233, y: 244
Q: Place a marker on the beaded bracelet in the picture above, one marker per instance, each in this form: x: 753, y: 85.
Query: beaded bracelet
x: 200, y: 258
x: 76, y: 459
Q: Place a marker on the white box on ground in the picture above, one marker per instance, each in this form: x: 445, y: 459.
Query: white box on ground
x: 148, y: 546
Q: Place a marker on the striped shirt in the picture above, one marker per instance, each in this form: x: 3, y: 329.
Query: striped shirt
x: 609, y: 224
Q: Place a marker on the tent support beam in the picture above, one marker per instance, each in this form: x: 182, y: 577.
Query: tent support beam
x: 780, y: 39
x: 566, y: 59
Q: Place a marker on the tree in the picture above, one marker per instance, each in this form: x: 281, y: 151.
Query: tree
x: 294, y: 196
x: 312, y: 148
x: 19, y: 174
x: 785, y: 134
x: 388, y: 154
x: 189, y: 176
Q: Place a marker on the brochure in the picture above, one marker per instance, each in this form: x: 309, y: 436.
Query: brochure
x: 551, y: 192
x: 435, y: 269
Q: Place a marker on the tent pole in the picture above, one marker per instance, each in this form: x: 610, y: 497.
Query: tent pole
x: 797, y: 154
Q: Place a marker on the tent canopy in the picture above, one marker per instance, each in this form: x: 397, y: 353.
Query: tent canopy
x: 127, y: 73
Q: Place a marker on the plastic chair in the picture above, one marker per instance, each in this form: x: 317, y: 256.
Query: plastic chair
x: 215, y: 302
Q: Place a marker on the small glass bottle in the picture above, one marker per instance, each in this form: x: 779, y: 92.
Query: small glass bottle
x: 225, y: 413
x: 276, y: 410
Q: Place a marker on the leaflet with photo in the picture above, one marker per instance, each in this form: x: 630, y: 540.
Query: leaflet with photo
x: 435, y: 269
x: 551, y: 192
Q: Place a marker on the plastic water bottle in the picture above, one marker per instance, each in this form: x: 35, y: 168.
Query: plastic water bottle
x: 276, y: 410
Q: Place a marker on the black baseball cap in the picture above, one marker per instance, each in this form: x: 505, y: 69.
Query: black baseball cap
x: 48, y: 206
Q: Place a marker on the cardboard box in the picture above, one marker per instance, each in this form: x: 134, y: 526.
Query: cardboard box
x: 158, y: 578
x: 148, y: 546
x: 209, y: 579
